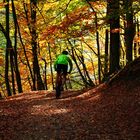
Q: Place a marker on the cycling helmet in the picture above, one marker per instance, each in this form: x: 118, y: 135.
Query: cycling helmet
x: 65, y: 52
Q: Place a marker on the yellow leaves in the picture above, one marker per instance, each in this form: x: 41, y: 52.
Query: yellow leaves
x: 42, y: 42
x: 49, y: 6
x: 89, y: 67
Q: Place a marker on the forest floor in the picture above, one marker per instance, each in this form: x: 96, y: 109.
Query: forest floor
x: 110, y: 111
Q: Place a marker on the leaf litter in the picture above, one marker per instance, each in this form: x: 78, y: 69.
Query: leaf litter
x: 109, y: 112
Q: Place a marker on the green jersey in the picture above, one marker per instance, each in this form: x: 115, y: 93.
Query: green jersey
x: 63, y: 59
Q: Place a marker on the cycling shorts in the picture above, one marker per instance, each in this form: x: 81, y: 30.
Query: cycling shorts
x: 62, y: 68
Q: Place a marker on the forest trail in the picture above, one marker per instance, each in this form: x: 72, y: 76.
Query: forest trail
x: 108, y: 112
x: 91, y: 115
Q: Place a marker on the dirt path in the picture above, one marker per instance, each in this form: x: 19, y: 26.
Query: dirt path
x: 89, y: 116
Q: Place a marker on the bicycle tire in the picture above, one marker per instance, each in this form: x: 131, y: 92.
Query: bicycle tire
x: 59, y: 87
x: 58, y: 91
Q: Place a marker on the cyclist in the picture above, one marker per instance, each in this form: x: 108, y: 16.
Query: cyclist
x: 61, y: 66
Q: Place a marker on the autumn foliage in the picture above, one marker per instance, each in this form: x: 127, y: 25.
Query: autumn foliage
x: 33, y: 33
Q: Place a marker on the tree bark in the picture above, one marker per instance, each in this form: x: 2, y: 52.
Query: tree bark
x: 114, y: 22
x: 36, y: 69
x: 106, y: 54
x: 51, y: 69
x: 129, y: 30
x: 8, y: 88
x: 18, y: 77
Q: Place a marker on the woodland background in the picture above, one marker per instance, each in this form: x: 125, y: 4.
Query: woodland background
x: 102, y: 36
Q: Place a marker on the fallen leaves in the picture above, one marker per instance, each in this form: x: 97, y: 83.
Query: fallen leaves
x: 102, y: 113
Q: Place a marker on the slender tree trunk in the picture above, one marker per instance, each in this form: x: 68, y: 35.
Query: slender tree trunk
x: 135, y: 50
x: 33, y: 87
x: 7, y: 56
x: 97, y: 40
x: 74, y: 59
x: 77, y: 65
x: 138, y: 35
x: 7, y: 51
x: 45, y: 74
x: 114, y: 21
x: 0, y: 96
x: 9, y: 60
x: 106, y: 54
x: 87, y: 77
x: 99, y: 59
x: 51, y: 69
x: 12, y: 70
x: 129, y: 30
x: 36, y: 68
x: 18, y: 78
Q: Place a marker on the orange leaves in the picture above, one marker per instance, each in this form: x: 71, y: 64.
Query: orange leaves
x: 2, y: 4
x: 116, y: 30
x: 1, y: 57
x: 137, y: 38
x: 73, y: 24
x: 78, y: 15
x: 52, y: 29
x: 50, y: 32
x: 1, y: 61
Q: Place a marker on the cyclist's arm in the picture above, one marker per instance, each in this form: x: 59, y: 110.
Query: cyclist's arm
x: 71, y: 65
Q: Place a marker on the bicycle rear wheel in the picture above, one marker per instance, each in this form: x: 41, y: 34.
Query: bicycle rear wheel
x: 59, y: 86
x: 58, y: 91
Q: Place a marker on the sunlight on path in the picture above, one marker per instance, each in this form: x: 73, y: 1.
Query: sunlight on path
x: 47, y: 110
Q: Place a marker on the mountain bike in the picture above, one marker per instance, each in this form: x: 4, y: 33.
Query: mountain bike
x: 59, y: 85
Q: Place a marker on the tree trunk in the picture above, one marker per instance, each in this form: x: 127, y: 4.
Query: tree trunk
x: 138, y: 35
x: 45, y: 74
x: 77, y: 65
x: 26, y: 57
x: 8, y: 88
x: 18, y: 78
x: 99, y: 58
x: 129, y: 30
x: 97, y: 40
x: 106, y: 54
x: 36, y: 69
x: 51, y: 69
x: 114, y: 21
x: 87, y: 77
x: 12, y: 70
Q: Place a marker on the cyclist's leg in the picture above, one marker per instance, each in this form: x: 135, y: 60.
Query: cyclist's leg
x: 58, y: 81
x: 58, y: 85
x: 64, y: 79
x: 65, y: 67
x: 58, y: 75
x: 57, y: 78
